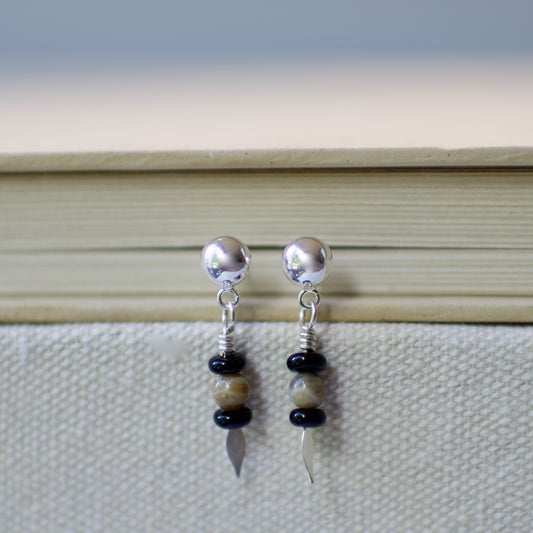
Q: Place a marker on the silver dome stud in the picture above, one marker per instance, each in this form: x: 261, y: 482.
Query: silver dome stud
x: 306, y: 261
x: 226, y: 260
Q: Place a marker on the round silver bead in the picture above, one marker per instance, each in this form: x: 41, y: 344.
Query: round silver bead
x: 226, y: 260
x: 305, y: 261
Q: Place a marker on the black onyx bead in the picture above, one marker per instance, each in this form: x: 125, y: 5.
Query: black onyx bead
x: 307, y: 418
x: 229, y: 363
x: 306, y: 362
x: 232, y: 419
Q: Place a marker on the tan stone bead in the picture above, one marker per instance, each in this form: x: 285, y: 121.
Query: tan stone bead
x: 231, y: 391
x: 307, y: 390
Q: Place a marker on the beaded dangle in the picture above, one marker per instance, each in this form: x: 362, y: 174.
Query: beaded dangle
x: 305, y: 262
x: 226, y: 261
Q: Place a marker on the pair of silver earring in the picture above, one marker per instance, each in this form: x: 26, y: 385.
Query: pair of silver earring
x: 305, y: 262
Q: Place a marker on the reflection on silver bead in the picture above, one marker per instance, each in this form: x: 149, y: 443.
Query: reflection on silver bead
x: 307, y: 390
x: 306, y: 261
x: 226, y: 260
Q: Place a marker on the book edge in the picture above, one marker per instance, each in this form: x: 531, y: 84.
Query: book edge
x: 517, y: 310
x: 499, y: 156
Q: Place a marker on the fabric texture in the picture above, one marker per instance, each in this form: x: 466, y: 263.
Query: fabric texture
x: 108, y: 427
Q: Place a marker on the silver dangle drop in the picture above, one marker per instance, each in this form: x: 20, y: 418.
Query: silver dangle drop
x: 306, y: 262
x: 226, y: 261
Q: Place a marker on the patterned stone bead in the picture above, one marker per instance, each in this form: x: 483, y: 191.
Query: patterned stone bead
x: 235, y: 419
x: 228, y: 363
x: 231, y: 391
x: 308, y: 361
x: 307, y: 390
x: 307, y: 418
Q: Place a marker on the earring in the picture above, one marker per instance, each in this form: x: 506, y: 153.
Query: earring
x: 305, y: 262
x: 226, y: 261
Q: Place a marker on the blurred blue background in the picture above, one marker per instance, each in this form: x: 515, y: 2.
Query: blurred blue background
x: 66, y: 34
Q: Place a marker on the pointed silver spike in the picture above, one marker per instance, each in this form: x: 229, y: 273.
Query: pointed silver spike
x: 236, y: 448
x: 308, y: 451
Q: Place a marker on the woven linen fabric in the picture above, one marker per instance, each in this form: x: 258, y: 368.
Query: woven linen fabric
x: 108, y: 427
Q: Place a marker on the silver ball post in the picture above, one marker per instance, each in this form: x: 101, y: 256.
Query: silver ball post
x: 226, y: 260
x: 305, y: 261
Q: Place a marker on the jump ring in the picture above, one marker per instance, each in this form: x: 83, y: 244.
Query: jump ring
x: 309, y: 305
x: 231, y: 291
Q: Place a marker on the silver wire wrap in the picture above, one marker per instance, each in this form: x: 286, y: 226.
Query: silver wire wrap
x: 308, y: 338
x: 226, y: 339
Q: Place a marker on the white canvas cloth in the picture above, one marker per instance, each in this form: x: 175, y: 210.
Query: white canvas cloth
x: 108, y: 427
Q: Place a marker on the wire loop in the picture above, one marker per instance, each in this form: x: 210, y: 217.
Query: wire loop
x: 228, y: 299
x: 308, y: 323
x: 228, y: 319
